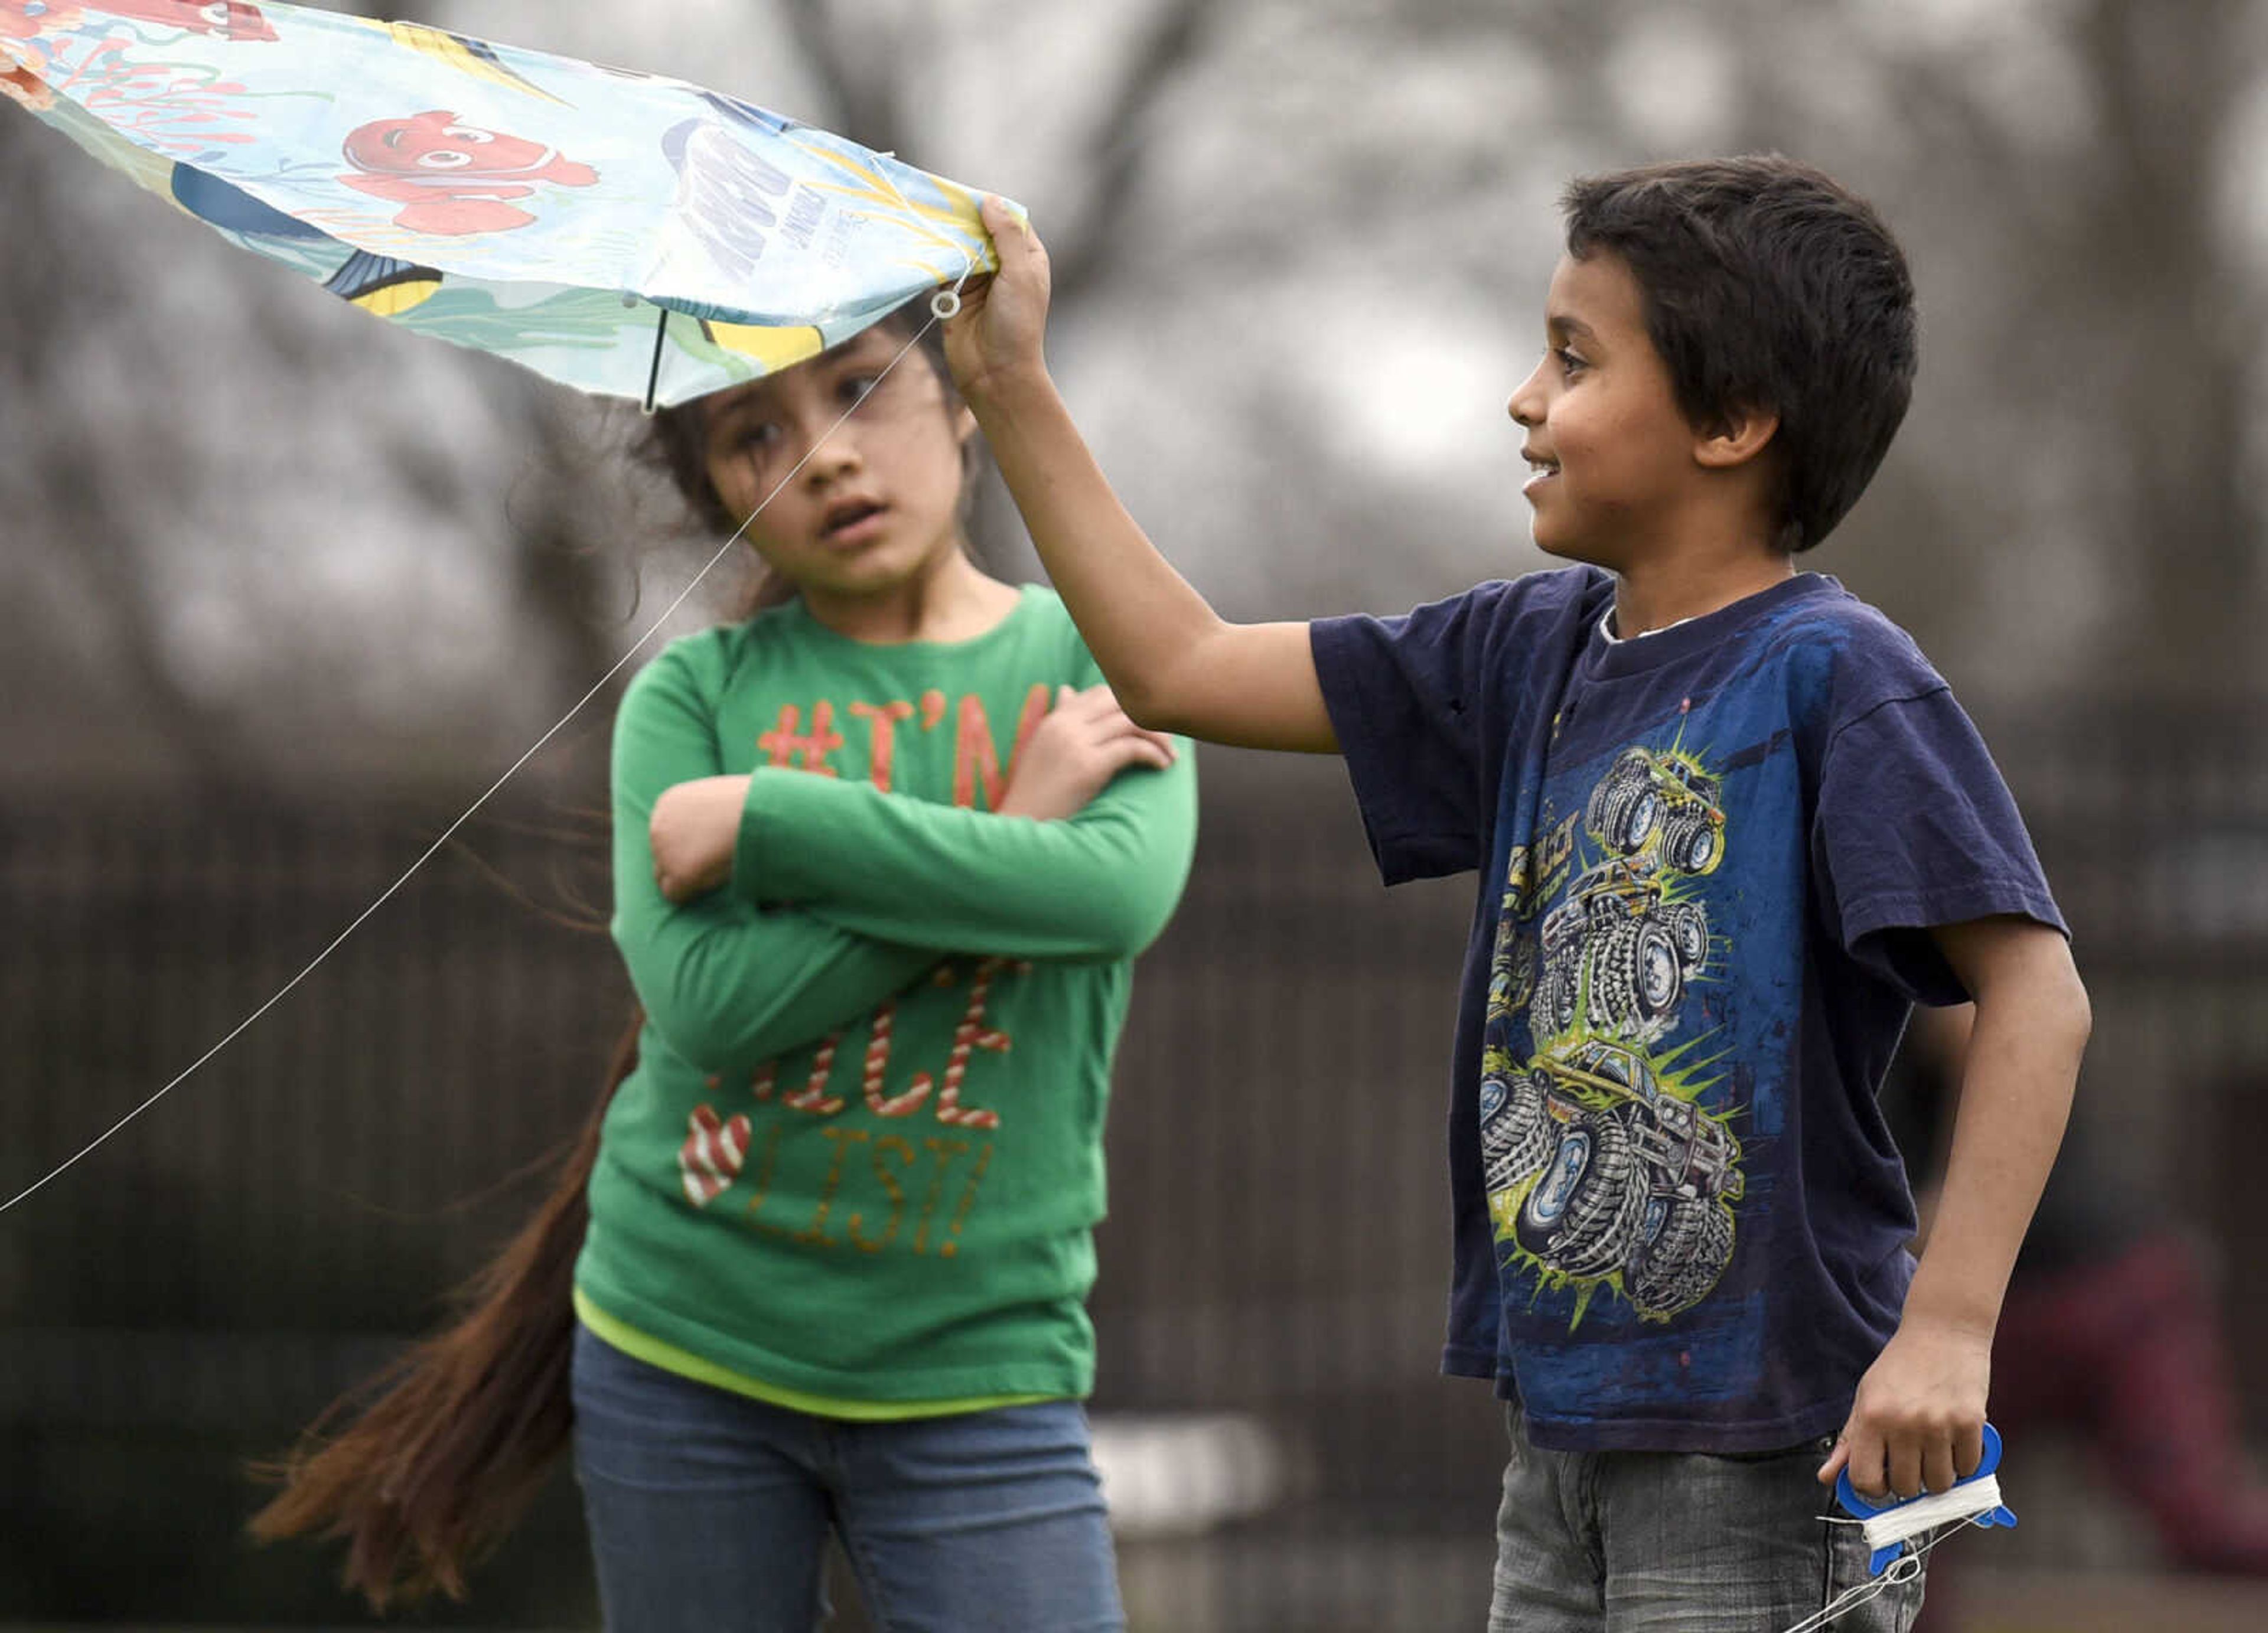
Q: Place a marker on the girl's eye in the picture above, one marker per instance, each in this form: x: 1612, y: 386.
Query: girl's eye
x: 855, y: 388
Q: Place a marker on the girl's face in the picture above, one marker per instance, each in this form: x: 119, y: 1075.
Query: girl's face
x: 878, y: 504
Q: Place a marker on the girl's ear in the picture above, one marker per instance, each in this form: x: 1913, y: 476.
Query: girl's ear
x: 964, y: 423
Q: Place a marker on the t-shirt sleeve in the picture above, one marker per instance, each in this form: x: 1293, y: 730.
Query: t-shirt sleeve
x: 723, y: 983
x: 1098, y: 885
x: 1915, y: 828
x: 1404, y: 699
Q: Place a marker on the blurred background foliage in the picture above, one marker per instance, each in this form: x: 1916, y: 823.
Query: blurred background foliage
x: 281, y: 589
x: 1301, y: 246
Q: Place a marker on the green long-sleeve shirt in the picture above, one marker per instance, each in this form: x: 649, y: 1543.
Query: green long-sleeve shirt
x: 860, y: 1159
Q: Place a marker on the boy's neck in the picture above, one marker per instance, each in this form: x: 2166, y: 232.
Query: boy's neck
x: 1653, y: 595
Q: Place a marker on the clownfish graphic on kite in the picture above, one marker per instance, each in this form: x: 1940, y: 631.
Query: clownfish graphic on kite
x: 225, y: 19
x: 228, y: 20
x: 621, y: 233
x: 453, y: 178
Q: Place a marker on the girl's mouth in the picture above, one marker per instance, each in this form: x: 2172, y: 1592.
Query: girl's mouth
x: 854, y: 521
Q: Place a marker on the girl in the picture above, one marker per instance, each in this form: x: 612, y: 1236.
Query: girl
x: 884, y: 854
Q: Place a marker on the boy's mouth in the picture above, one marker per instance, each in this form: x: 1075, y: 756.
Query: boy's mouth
x: 1546, y: 468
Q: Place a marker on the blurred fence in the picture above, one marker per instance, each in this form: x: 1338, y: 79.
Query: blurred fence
x: 190, y: 1295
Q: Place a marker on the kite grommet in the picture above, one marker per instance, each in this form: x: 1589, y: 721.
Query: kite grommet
x: 945, y: 304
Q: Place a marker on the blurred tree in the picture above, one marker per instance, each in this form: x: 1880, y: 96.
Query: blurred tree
x: 1300, y: 250
x: 246, y: 533
x: 2093, y: 354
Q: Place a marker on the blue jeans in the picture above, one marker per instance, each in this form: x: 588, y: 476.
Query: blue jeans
x: 711, y: 1510
x: 1668, y: 1543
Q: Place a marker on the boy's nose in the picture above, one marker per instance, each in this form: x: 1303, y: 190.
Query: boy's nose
x: 1526, y: 404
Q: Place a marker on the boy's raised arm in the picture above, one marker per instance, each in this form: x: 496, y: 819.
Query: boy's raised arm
x: 1173, y: 663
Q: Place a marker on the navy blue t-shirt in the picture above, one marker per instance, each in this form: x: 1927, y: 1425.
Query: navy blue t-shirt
x: 1710, y: 856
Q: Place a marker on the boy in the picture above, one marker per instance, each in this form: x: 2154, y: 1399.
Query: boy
x: 1731, y: 825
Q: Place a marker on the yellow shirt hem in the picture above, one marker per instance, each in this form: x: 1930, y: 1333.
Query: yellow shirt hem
x: 642, y: 1346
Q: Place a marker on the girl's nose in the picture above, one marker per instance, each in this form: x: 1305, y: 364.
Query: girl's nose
x: 834, y: 455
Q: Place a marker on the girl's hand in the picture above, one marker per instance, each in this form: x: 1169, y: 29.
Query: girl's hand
x: 996, y: 337
x: 1071, y: 755
x: 692, y: 833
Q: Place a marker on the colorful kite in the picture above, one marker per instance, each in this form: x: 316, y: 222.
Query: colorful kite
x: 622, y: 233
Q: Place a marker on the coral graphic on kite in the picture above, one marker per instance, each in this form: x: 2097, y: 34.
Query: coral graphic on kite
x: 1601, y: 1167
x: 451, y: 178
x: 26, y: 20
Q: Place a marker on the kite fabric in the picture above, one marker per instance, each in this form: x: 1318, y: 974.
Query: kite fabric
x: 617, y: 231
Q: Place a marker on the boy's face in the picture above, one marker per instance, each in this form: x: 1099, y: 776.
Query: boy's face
x: 1614, y: 455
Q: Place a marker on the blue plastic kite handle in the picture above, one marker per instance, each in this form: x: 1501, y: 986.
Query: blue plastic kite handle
x: 1860, y: 1508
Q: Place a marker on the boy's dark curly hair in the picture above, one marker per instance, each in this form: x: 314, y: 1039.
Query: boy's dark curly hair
x: 1768, y: 286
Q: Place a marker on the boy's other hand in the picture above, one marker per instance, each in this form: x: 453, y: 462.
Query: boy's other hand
x: 1072, y: 755
x: 999, y: 334
x: 1918, y: 1423
x: 692, y: 832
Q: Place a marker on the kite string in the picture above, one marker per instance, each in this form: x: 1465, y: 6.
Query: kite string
x: 938, y: 302
x: 1906, y: 1567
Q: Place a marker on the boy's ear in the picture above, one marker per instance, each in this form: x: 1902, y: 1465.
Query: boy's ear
x: 1735, y: 437
x: 964, y: 423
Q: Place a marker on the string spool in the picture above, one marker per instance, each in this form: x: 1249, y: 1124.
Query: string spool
x: 1921, y: 1514
x: 1974, y: 1499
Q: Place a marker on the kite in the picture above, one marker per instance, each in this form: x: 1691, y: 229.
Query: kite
x: 620, y: 232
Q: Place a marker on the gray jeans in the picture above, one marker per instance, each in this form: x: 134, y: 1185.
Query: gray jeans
x: 1670, y: 1542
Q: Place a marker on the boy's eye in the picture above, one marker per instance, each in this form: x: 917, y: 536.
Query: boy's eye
x: 1570, y: 363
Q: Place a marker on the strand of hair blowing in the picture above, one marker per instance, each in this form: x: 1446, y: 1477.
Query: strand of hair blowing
x: 434, y: 1471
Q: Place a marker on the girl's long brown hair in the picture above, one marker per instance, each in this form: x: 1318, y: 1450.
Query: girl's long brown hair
x: 425, y: 1468
x: 431, y: 1473
x: 441, y: 1452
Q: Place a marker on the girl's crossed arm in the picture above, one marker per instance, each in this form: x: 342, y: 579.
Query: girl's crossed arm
x: 1175, y: 663
x: 1098, y: 884
x: 724, y: 984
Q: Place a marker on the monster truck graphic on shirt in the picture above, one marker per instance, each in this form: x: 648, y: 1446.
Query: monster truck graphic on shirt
x: 1664, y: 805
x: 1620, y: 1175
x: 1621, y: 953
x: 1602, y: 1166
